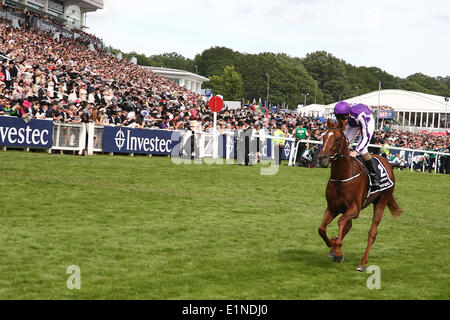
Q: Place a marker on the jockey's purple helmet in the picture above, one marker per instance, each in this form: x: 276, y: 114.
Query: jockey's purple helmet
x: 342, y: 108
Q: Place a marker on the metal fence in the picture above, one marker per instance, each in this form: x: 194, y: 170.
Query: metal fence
x: 80, y: 137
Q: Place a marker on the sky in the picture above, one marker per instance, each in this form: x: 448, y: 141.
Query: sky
x: 402, y: 37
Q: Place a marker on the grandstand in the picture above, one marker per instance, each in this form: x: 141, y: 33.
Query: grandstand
x: 82, y: 88
x: 71, y: 13
x: 189, y: 80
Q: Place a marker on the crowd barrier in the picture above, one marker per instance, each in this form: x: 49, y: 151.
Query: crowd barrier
x: 69, y: 137
x: 77, y: 138
x: 406, y: 154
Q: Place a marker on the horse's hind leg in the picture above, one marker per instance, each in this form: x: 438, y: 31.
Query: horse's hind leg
x: 378, y: 215
x: 327, y: 219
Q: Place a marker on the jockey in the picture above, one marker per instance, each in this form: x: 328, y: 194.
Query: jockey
x: 359, y: 118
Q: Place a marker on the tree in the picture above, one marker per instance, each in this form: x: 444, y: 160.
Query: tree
x: 329, y: 71
x: 229, y: 84
x: 213, y: 61
x: 172, y: 60
x: 325, y: 77
x: 428, y: 84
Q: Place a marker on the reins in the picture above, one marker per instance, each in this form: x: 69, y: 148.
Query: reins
x: 338, y: 155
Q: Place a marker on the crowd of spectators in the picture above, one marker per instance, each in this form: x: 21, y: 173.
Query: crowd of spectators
x: 65, y: 80
x: 28, y: 15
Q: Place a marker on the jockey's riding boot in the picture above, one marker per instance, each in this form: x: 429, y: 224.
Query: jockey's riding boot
x: 370, y: 164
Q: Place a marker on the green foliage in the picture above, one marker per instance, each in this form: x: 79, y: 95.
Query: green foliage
x: 285, y: 76
x: 430, y: 85
x: 229, y: 84
x: 290, y: 77
x: 213, y: 61
x: 172, y: 60
x: 330, y: 74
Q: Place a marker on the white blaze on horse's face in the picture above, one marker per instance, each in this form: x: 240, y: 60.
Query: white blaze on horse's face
x: 328, y: 136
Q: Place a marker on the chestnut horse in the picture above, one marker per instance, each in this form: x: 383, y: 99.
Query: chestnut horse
x: 348, y: 192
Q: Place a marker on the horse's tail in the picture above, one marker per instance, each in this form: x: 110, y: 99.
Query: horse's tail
x: 394, y: 207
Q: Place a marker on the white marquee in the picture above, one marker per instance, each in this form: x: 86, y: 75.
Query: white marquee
x: 401, y: 100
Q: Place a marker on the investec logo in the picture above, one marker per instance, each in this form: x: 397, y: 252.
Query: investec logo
x: 131, y: 143
x: 23, y: 136
x: 120, y: 139
x: 287, y: 150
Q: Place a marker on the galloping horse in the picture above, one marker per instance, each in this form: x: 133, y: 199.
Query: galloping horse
x: 348, y: 192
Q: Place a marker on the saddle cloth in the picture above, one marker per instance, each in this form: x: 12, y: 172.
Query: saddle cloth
x: 385, y: 180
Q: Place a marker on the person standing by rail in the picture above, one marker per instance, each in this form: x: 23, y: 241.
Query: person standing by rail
x: 279, y: 133
x: 301, y: 133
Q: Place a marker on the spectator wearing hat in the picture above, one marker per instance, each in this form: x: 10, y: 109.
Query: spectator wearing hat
x: 139, y: 123
x: 122, y: 117
x: 61, y: 115
x: 114, y: 120
x: 41, y: 113
x: 72, y: 114
x: 52, y: 112
x: 99, y: 97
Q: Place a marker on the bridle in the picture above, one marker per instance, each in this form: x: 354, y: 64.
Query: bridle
x: 338, y: 155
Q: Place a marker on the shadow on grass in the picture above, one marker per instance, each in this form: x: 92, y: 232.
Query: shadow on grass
x: 316, y: 259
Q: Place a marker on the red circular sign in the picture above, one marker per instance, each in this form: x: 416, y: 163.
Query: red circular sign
x: 216, y: 104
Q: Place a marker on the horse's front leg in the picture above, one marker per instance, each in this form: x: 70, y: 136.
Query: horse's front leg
x: 327, y: 219
x: 345, y: 224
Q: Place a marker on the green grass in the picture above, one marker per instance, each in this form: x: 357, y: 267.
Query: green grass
x: 144, y: 228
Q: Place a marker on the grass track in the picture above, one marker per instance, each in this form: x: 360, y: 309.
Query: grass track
x: 144, y: 228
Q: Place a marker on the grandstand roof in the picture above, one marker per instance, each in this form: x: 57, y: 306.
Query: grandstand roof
x: 167, y: 72
x: 85, y: 5
x: 401, y: 100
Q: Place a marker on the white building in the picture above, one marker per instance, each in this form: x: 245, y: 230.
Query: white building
x: 414, y: 110
x: 411, y: 109
x: 189, y: 80
x: 312, y: 110
x: 69, y: 12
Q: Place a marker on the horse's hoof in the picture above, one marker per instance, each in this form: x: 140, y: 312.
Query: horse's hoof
x: 361, y: 269
x: 331, y: 254
x: 338, y: 259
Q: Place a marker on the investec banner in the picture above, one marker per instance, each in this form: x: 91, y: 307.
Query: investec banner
x: 226, y: 141
x: 287, y: 149
x: 140, y: 141
x: 14, y: 132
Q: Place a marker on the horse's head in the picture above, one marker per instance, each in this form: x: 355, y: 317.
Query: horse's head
x: 335, y: 144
